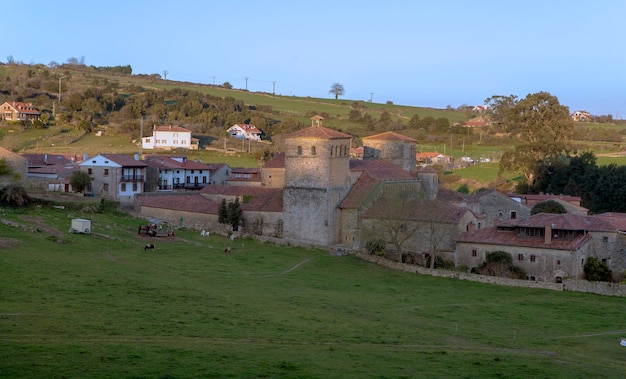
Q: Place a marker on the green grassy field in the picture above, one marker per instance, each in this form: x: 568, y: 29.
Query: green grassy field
x: 98, y: 306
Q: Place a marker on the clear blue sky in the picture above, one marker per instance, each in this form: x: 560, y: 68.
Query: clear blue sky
x: 420, y: 53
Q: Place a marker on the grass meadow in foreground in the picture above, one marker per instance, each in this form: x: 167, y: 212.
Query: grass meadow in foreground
x: 98, y: 306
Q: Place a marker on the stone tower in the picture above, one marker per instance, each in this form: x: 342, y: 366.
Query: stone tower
x: 317, y: 169
x: 429, y: 181
x: 391, y: 147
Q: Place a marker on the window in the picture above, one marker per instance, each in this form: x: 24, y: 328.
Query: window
x: 604, y: 260
x: 247, y: 176
x: 135, y: 187
x: 500, y: 214
x: 147, y: 140
x: 313, y: 151
x: 237, y: 175
x: 105, y: 187
x: 106, y: 172
x: 299, y: 150
x: 520, y: 257
x: 533, y: 258
x: 605, y: 239
x: 513, y: 215
x: 558, y: 261
x: 474, y: 253
x: 123, y: 187
x: 90, y: 171
x: 175, y: 142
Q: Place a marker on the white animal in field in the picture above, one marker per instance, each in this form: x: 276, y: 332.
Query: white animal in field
x: 205, y: 233
x: 149, y: 246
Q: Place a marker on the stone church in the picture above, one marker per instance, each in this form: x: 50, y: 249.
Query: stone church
x: 315, y: 194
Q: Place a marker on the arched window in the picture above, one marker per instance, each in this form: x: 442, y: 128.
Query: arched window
x: 299, y: 150
x: 313, y: 150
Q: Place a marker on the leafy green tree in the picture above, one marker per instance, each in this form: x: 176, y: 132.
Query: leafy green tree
x: 549, y: 206
x: 596, y: 270
x: 230, y: 213
x: 337, y: 90
x: 414, y: 122
x: 222, y: 213
x: 80, y: 180
x: 541, y: 128
x: 500, y: 263
x: 234, y: 213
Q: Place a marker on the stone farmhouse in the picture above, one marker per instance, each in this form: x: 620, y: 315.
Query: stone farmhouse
x: 170, y: 137
x: 245, y: 131
x: 117, y: 177
x: 550, y: 247
x: 18, y: 111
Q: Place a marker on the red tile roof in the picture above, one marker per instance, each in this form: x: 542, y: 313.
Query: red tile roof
x: 418, y: 210
x: 317, y: 132
x: 45, y: 159
x: 390, y: 136
x: 189, y: 203
x: 278, y: 161
x: 260, y: 196
x: 379, y: 169
x: 170, y: 128
x: 508, y: 237
x: 125, y: 160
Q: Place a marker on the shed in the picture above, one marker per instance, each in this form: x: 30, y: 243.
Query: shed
x: 80, y: 225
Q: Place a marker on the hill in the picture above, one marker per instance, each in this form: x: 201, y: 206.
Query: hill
x: 123, y: 107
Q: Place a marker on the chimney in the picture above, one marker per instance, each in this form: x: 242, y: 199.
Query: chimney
x: 548, y: 234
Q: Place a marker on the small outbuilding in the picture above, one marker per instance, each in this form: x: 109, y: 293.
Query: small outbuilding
x: 80, y: 225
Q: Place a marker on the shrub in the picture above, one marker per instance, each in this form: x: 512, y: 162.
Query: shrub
x: 376, y: 246
x: 596, y: 270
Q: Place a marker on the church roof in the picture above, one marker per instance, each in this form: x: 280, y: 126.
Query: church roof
x: 318, y: 132
x: 390, y: 136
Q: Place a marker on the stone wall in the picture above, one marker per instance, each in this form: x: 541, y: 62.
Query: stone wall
x: 574, y: 285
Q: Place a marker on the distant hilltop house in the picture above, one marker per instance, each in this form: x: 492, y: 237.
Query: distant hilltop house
x: 480, y: 109
x: 17, y: 111
x: 432, y: 157
x: 581, y: 116
x: 475, y: 122
x: 169, y: 137
x: 245, y: 131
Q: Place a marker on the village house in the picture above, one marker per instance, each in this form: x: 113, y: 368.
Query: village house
x: 169, y: 137
x: 18, y: 111
x: 245, y: 131
x: 170, y: 172
x: 549, y: 247
x: 432, y: 157
x: 54, y: 178
x: 245, y: 176
x: 582, y: 116
x: 116, y: 177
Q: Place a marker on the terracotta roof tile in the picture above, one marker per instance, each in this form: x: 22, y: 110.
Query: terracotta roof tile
x: 380, y: 169
x: 317, y: 132
x: 511, y: 237
x: 278, y: 161
x: 390, y: 136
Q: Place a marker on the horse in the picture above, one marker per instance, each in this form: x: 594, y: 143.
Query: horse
x: 149, y: 246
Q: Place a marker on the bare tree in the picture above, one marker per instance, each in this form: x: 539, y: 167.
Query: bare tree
x: 337, y: 89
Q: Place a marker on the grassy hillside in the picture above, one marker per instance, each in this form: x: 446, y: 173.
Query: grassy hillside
x: 98, y: 306
x: 604, y: 139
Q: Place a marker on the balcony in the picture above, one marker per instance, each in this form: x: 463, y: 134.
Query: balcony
x: 132, y: 178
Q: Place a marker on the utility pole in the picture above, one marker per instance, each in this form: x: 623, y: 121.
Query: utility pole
x: 214, y: 80
x: 371, y: 97
x: 273, y: 87
x: 245, y: 77
x: 60, y: 77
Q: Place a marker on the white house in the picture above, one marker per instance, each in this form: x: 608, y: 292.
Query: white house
x: 115, y: 176
x: 245, y: 131
x: 169, y: 137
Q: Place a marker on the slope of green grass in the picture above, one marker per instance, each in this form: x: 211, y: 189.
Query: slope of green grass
x: 98, y: 306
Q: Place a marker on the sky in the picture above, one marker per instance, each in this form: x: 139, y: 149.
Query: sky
x: 418, y: 53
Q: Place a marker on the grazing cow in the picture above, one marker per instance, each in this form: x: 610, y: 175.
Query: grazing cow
x: 205, y: 233
x: 227, y: 250
x: 149, y: 246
